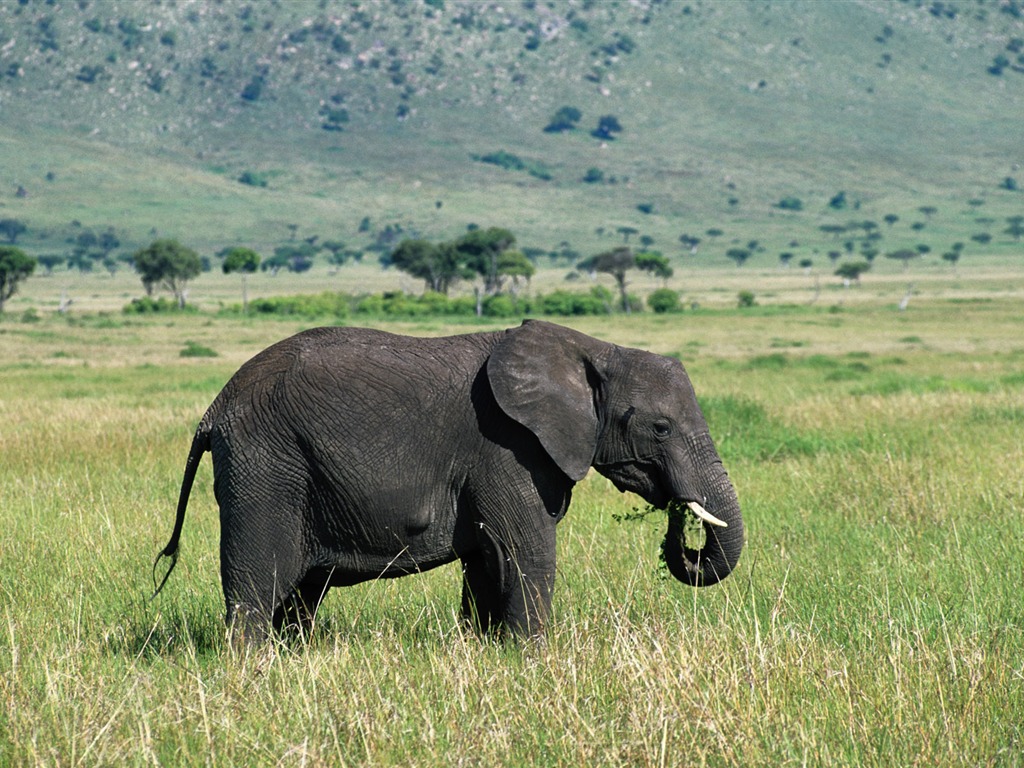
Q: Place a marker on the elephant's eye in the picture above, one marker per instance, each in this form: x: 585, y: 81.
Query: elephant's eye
x: 662, y: 429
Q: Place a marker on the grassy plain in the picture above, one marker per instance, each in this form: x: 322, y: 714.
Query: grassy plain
x: 874, y: 618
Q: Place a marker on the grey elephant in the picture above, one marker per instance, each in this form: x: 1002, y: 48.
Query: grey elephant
x: 343, y: 455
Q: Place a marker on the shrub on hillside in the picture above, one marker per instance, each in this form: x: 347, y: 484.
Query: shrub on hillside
x: 565, y: 119
x: 253, y: 179
x: 512, y: 162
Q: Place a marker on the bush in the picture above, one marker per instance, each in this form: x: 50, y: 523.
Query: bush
x: 253, y: 89
x: 370, y: 305
x: 512, y: 162
x: 434, y: 303
x: 745, y: 299
x: 503, y: 305
x: 194, y: 349
x: 607, y: 127
x: 147, y: 305
x: 327, y: 304
x: 398, y: 304
x: 253, y: 179
x: 565, y: 119
x: 568, y: 303
x: 664, y: 300
x: 598, y: 301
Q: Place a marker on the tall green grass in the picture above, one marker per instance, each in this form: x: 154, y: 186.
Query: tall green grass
x: 874, y: 618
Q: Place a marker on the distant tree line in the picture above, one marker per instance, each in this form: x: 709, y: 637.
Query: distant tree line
x: 489, y: 260
x: 485, y: 256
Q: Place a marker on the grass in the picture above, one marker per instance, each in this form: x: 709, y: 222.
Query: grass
x: 873, y: 619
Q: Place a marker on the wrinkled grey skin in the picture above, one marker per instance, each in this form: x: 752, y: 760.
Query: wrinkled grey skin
x: 342, y: 455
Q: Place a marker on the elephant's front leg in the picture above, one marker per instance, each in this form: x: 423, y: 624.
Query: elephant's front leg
x: 508, y: 582
x: 481, y: 598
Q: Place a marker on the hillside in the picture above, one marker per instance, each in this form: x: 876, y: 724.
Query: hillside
x: 423, y: 117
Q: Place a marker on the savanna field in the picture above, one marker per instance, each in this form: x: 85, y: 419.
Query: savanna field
x: 874, y: 430
x: 875, y: 617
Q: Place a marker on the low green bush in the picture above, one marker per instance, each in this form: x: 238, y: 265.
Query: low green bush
x: 326, y: 304
x: 195, y: 349
x: 147, y: 305
x: 503, y: 305
x: 664, y: 300
x: 559, y: 303
x: 598, y: 301
x: 399, y: 304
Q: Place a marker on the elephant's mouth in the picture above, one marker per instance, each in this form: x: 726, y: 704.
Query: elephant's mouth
x: 636, y: 477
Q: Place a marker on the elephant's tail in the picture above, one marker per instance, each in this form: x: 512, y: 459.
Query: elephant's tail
x: 200, y: 445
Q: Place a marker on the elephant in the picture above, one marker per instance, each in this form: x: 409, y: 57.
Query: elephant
x: 343, y: 455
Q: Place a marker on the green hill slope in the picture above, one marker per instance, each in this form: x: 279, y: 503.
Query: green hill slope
x: 424, y: 117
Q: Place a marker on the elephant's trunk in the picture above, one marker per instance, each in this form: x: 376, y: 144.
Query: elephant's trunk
x: 720, y: 552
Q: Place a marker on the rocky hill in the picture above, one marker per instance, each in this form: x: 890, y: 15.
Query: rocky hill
x: 559, y: 117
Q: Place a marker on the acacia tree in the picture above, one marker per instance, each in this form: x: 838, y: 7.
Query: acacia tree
x: 739, y: 255
x: 481, y: 251
x: 689, y: 242
x: 852, y: 270
x: 168, y: 263
x: 655, y: 264
x: 339, y: 253
x: 436, y: 264
x: 616, y: 263
x: 565, y: 119
x: 12, y: 228
x: 607, y: 127
x: 904, y: 255
x: 515, y: 264
x: 244, y: 261
x: 15, y: 266
x: 952, y: 256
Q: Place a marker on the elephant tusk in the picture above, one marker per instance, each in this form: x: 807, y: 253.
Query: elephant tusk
x: 706, y: 516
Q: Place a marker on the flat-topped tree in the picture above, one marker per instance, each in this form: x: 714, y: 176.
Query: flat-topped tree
x: 438, y: 265
x: 15, y: 266
x: 168, y: 263
x: 245, y: 261
x: 616, y: 263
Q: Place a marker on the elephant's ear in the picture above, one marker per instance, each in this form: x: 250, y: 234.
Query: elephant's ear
x: 544, y: 376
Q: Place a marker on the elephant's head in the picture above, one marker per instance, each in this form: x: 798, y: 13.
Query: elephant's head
x: 634, y: 417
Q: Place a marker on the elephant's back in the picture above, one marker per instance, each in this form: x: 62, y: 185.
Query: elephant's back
x: 339, y: 351
x: 371, y: 379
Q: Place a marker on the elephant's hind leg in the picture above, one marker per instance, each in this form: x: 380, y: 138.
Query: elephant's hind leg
x: 261, y: 568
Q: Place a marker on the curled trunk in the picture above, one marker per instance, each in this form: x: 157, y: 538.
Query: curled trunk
x: 720, y: 552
